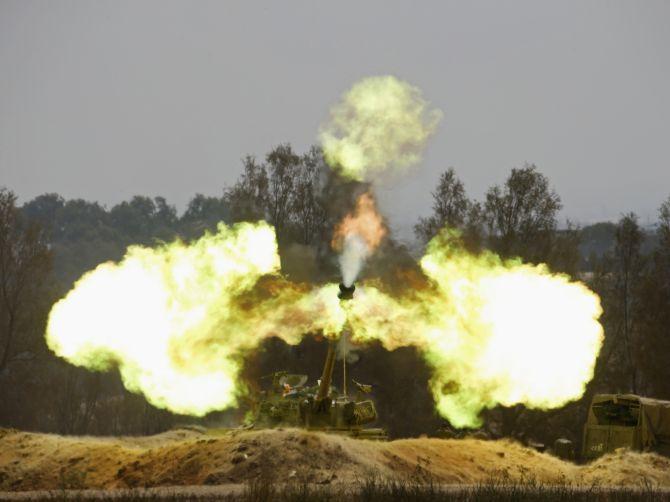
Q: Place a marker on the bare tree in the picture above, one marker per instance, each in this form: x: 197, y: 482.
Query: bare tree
x: 307, y: 208
x: 473, y: 229
x: 25, y: 261
x: 664, y: 229
x: 654, y: 318
x: 282, y: 165
x: 450, y: 207
x: 77, y: 403
x: 521, y: 215
x: 248, y: 198
x: 628, y: 268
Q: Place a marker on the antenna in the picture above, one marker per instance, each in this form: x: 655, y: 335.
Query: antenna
x: 344, y: 363
x: 346, y: 293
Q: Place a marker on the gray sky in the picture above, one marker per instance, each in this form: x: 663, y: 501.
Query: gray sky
x: 107, y: 99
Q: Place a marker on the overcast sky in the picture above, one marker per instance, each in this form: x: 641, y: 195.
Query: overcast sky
x: 107, y: 99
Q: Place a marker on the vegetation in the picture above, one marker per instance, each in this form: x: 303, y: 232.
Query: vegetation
x: 379, y: 490
x: 47, y: 243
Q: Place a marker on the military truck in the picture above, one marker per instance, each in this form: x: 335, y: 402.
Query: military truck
x: 290, y: 403
x: 626, y: 421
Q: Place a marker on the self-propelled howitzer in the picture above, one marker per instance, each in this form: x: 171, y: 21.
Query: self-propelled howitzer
x: 291, y: 403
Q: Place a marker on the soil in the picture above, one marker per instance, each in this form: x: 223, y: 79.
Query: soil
x: 192, y: 457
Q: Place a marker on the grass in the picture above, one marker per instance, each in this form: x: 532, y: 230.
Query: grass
x: 378, y: 490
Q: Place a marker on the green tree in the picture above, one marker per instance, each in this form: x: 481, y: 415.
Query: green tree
x: 44, y: 209
x: 81, y: 234
x: 204, y: 214
x: 79, y: 219
x: 142, y: 219
x: 164, y: 219
x: 134, y: 218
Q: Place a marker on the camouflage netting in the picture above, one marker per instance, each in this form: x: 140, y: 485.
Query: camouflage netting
x: 654, y: 422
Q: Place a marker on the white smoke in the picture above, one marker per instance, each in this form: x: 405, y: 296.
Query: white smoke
x: 354, y: 253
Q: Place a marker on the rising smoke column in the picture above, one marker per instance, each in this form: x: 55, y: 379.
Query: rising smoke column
x: 381, y: 123
x: 357, y: 236
x: 178, y: 319
x: 493, y: 331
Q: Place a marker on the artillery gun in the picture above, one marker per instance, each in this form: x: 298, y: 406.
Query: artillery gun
x: 290, y: 403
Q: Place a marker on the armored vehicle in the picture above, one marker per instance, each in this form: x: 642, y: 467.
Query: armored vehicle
x: 626, y: 421
x: 290, y: 403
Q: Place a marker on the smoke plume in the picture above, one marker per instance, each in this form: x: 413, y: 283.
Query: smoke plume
x: 381, y: 123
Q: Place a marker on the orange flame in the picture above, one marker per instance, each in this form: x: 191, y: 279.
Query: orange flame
x: 365, y: 222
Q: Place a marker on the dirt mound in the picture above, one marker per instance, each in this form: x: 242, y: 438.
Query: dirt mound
x: 30, y: 461
x: 626, y: 467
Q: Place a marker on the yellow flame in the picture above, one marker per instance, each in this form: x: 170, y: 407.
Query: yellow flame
x: 493, y: 331
x: 381, y: 123
x: 176, y: 321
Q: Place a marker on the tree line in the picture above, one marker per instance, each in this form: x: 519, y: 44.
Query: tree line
x: 48, y: 242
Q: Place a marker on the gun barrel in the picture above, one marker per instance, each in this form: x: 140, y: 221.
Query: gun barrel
x: 346, y: 293
x: 327, y: 376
